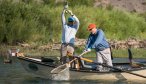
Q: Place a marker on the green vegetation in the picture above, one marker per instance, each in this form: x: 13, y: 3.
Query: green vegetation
x: 137, y: 53
x: 31, y: 22
x: 40, y: 23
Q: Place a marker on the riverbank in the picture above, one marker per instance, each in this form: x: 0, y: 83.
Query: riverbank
x: 80, y: 43
x: 119, y: 48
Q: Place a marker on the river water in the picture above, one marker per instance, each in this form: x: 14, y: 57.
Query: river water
x: 15, y: 74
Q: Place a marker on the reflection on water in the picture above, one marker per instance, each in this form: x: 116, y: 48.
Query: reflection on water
x: 15, y: 74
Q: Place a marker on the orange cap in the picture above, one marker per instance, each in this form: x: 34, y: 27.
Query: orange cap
x: 91, y: 26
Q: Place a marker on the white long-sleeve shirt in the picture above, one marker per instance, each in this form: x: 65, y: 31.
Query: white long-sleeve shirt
x: 69, y: 32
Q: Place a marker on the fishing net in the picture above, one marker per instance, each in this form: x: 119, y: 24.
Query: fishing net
x: 61, y: 73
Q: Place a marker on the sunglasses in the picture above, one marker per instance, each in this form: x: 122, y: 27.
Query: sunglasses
x: 90, y: 29
x: 70, y: 21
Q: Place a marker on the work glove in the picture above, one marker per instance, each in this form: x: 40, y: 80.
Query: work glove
x: 70, y: 12
x: 87, y: 50
x: 66, y: 11
x: 66, y: 7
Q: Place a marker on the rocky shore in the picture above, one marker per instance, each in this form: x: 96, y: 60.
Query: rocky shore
x: 129, y: 43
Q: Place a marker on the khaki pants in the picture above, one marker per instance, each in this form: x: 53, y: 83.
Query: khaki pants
x: 66, y: 47
x: 104, y: 56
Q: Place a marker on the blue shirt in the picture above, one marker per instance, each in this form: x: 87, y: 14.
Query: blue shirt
x: 97, y: 41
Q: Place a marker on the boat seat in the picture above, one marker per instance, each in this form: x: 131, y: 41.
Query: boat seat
x: 85, y: 64
x: 88, y: 65
x: 43, y: 59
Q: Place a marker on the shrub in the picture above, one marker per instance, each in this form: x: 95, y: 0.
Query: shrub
x: 31, y: 22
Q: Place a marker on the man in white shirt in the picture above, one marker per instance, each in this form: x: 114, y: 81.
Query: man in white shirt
x: 69, y: 30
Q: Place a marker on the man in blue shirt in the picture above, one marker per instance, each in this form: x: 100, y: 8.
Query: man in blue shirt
x: 97, y: 41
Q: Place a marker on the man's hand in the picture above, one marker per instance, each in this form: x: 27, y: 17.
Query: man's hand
x: 87, y: 50
x: 66, y: 7
x: 70, y: 12
x: 66, y: 11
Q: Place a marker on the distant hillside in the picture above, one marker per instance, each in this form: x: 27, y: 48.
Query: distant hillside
x: 129, y: 5
x: 138, y: 6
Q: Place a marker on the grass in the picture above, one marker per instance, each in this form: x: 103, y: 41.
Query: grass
x: 137, y: 53
x: 120, y: 53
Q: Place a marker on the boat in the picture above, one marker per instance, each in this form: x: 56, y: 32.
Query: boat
x: 48, y: 70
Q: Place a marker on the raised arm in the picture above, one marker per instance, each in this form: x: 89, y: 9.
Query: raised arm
x: 77, y: 21
x: 63, y: 18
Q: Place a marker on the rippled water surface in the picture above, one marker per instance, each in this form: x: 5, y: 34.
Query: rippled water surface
x: 15, y: 74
